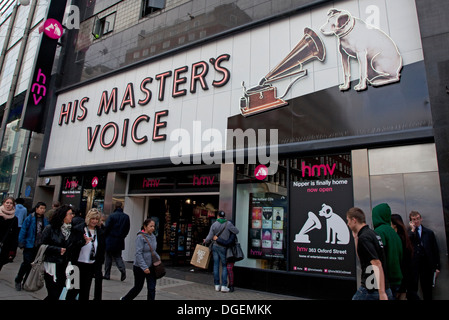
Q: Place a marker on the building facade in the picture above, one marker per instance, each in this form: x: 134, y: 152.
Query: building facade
x: 20, y: 148
x: 282, y: 114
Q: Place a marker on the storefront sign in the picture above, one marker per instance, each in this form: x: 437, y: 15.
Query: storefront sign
x: 94, y: 182
x: 174, y: 182
x: 267, y: 226
x: 35, y: 109
x: 320, y: 240
x: 115, y: 100
x: 261, y: 172
x: 71, y: 190
x: 53, y: 28
x: 136, y: 114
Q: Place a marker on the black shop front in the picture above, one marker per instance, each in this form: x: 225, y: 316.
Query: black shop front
x: 183, y: 203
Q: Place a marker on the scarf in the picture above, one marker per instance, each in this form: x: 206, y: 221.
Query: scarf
x: 6, y: 214
x: 65, y: 229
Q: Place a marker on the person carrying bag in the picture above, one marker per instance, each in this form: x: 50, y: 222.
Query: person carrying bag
x: 220, y: 229
x: 35, y: 279
x: 145, y: 263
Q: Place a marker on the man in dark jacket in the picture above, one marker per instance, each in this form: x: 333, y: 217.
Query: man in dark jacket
x: 116, y: 229
x: 30, y: 239
x: 426, y: 258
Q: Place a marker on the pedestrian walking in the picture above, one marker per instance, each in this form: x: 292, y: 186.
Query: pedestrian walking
x: 222, y: 229
x: 143, y: 268
x: 116, y: 229
x: 371, y: 254
x: 91, y: 257
x: 407, y: 248
x: 21, y: 212
x: 64, y: 245
x: 9, y: 231
x: 30, y: 239
x: 426, y: 258
x: 229, y: 262
x: 392, y: 245
x: 55, y: 205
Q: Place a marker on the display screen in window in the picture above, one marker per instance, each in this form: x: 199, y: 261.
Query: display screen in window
x: 267, y: 227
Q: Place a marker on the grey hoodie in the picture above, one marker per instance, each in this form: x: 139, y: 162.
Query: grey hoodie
x: 143, y: 257
x: 217, y: 226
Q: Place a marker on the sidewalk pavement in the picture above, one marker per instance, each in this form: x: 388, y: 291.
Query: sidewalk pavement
x: 180, y: 283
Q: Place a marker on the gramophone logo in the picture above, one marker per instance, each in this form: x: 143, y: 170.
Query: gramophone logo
x: 378, y: 57
x: 264, y: 96
x: 336, y: 230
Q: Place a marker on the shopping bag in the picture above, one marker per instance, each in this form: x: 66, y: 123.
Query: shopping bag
x: 201, y: 257
x: 35, y: 279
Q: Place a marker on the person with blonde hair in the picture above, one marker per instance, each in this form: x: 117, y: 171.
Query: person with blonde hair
x: 91, y: 257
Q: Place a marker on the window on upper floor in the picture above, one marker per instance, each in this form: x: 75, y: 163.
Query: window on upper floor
x: 103, y: 25
x: 150, y: 6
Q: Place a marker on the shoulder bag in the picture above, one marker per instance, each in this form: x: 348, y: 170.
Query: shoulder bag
x: 234, y: 252
x: 159, y: 268
x: 35, y: 279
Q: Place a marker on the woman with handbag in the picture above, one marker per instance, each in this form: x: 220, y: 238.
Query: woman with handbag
x: 9, y: 231
x: 64, y: 244
x: 143, y: 268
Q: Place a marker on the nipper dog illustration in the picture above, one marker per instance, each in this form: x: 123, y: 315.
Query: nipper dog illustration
x: 335, y: 226
x: 379, y: 59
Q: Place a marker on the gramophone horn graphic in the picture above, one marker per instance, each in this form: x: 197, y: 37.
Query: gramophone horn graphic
x: 263, y: 97
x: 312, y: 223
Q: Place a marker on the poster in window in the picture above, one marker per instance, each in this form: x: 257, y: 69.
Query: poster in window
x: 320, y: 240
x: 267, y: 214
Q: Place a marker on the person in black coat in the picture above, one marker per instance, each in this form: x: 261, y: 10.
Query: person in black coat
x: 425, y: 264
x: 116, y: 229
x: 9, y: 231
x: 64, y: 244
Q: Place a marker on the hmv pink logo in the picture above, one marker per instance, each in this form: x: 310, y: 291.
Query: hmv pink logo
x: 71, y: 184
x: 38, y: 88
x: 203, y: 181
x: 316, y: 170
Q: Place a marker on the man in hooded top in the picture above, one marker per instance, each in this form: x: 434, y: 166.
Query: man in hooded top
x: 221, y: 229
x: 392, y: 245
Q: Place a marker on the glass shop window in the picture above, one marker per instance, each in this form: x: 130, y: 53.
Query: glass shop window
x: 261, y: 217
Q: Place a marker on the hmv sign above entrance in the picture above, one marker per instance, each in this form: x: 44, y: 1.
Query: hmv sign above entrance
x: 207, y: 181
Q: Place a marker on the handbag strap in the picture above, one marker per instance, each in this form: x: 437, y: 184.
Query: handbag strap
x: 219, y: 234
x: 152, y: 251
x: 40, y: 253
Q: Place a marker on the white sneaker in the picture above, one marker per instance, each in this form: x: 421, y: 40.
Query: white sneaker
x: 217, y: 287
x: 224, y: 289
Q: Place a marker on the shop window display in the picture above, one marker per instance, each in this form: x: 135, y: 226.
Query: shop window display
x: 294, y: 220
x: 262, y: 218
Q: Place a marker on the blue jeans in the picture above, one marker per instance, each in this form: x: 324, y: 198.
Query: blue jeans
x: 219, y: 254
x: 363, y: 294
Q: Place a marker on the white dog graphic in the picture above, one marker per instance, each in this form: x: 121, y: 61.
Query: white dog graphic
x: 335, y: 226
x: 379, y: 59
